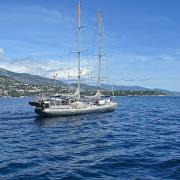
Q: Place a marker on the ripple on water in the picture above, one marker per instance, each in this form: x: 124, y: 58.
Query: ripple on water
x: 139, y: 140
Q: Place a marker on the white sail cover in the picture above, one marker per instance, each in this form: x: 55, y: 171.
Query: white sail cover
x: 97, y: 96
x: 76, y: 95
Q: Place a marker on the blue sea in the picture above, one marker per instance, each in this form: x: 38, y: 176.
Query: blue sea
x: 140, y: 140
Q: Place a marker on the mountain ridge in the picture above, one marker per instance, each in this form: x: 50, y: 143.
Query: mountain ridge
x: 29, y: 78
x: 36, y: 79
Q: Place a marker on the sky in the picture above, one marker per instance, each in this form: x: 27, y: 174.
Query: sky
x: 141, y: 38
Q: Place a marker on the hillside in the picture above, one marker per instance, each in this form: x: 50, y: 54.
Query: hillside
x: 14, y: 88
x: 85, y: 87
x: 28, y: 78
x: 137, y: 88
x: 124, y: 88
x: 23, y: 84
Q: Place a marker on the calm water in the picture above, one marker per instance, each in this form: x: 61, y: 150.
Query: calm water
x: 141, y: 139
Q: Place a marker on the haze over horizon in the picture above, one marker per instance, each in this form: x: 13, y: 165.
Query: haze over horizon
x: 142, y: 38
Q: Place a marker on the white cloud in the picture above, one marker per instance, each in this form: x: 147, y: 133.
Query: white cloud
x: 1, y: 54
x: 47, y: 68
x: 169, y: 57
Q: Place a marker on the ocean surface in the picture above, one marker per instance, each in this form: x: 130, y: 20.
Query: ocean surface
x: 140, y: 140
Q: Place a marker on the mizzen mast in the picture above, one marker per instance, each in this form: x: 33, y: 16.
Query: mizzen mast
x: 99, y: 48
x: 79, y: 51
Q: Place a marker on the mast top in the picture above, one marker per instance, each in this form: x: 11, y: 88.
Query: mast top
x: 100, y: 20
x: 79, y: 13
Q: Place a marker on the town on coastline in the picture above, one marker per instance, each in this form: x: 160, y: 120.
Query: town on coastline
x: 19, y: 85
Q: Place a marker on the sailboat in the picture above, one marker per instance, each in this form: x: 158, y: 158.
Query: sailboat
x: 75, y: 104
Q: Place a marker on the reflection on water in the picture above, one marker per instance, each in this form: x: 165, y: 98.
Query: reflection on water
x: 39, y: 120
x: 54, y: 120
x: 139, y: 140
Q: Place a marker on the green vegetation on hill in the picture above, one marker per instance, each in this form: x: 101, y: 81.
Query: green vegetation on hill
x: 20, y: 84
x: 136, y: 93
x: 13, y: 88
x: 28, y: 78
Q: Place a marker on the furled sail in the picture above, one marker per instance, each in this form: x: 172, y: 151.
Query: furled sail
x: 97, y: 96
x: 76, y: 95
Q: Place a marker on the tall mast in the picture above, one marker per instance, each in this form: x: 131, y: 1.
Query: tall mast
x: 99, y: 48
x: 79, y: 52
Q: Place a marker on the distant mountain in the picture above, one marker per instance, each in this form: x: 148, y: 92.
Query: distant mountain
x: 12, y: 88
x: 136, y: 88
x: 35, y: 80
x: 168, y: 92
x: 29, y: 78
x: 124, y: 88
x: 115, y: 87
x: 177, y: 93
x: 85, y: 87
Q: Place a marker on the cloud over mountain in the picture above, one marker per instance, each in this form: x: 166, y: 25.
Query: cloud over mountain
x: 1, y: 54
x: 47, y: 68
